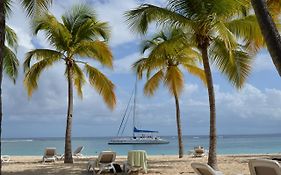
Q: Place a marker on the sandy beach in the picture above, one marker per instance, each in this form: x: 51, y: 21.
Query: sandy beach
x: 32, y: 165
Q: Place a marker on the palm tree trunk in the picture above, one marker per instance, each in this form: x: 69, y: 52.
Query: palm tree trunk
x: 212, y: 159
x: 179, y: 126
x: 2, y: 41
x: 68, y: 149
x: 269, y: 32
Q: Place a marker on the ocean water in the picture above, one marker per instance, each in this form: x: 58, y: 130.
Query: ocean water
x: 238, y: 144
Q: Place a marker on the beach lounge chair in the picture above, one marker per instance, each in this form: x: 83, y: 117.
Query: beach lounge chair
x: 199, y: 151
x: 204, y: 169
x: 264, y: 167
x: 77, y: 153
x: 104, y: 162
x: 136, y: 161
x: 5, y: 158
x: 49, y: 154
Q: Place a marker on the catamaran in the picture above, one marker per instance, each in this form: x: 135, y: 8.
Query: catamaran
x: 140, y: 136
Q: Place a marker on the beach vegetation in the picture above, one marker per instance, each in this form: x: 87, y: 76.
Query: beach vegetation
x: 76, y: 41
x: 168, y: 54
x: 220, y: 31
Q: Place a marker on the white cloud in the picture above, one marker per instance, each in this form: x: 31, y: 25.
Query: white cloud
x: 124, y: 65
x: 263, y: 62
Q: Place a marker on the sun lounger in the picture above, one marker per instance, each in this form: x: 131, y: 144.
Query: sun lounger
x: 204, y: 169
x: 104, y: 162
x: 136, y: 161
x: 264, y: 167
x: 77, y: 153
x: 199, y: 151
x: 5, y: 158
x: 50, y: 155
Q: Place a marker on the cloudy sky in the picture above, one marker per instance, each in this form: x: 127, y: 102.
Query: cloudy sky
x: 254, y: 109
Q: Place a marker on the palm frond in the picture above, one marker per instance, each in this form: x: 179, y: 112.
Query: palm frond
x: 10, y: 64
x: 102, y: 84
x: 97, y: 50
x: 139, y: 18
x: 57, y: 34
x: 40, y: 54
x: 248, y: 30
x: 174, y: 80
x: 77, y: 16
x: 79, y: 79
x: 92, y: 30
x: 32, y: 74
x: 11, y: 37
x: 153, y: 83
x: 34, y: 8
x: 196, y: 71
x: 236, y: 71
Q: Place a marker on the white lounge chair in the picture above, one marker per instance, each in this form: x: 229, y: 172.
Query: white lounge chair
x: 104, y: 162
x: 264, y: 167
x: 199, y: 151
x: 204, y: 169
x: 50, y: 154
x: 77, y: 153
x: 5, y: 158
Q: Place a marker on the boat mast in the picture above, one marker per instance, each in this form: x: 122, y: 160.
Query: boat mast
x: 134, y: 107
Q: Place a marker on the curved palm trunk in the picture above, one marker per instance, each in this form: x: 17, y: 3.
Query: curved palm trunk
x: 67, y: 149
x: 179, y: 126
x: 269, y: 32
x: 212, y: 159
x: 2, y: 41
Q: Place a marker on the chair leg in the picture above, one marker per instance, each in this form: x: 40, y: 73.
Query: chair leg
x: 112, y: 166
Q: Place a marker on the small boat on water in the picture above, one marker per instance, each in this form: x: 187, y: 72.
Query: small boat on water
x: 140, y: 136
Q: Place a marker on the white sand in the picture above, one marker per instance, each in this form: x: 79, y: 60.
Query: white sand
x: 169, y: 165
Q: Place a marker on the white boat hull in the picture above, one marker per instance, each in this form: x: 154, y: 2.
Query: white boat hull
x: 138, y: 141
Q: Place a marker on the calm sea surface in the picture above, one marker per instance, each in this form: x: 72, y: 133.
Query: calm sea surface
x: 243, y: 144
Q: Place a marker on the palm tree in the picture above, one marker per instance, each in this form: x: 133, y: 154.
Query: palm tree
x: 74, y: 40
x: 31, y: 6
x: 268, y: 27
x: 214, y: 27
x: 167, y: 52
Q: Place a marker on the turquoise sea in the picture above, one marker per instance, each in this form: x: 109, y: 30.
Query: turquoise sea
x: 229, y: 144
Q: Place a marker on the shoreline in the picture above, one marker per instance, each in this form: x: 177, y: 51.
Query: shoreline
x: 157, y: 164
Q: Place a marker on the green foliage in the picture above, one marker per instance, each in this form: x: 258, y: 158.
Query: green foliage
x: 167, y: 52
x: 78, y: 38
x: 207, y: 22
x: 34, y: 8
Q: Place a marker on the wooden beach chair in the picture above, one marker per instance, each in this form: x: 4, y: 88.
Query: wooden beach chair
x: 204, y: 169
x: 50, y: 154
x: 264, y: 167
x: 104, y: 162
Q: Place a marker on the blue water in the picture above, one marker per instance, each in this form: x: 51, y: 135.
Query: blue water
x: 243, y: 144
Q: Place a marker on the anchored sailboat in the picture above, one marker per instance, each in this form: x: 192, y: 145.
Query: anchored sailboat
x: 140, y: 136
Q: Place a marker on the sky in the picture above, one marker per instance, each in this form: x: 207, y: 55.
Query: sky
x: 254, y: 109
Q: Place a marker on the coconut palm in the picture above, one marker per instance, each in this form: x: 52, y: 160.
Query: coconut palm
x: 31, y: 6
x: 214, y: 27
x: 167, y: 53
x: 269, y: 30
x: 76, y: 40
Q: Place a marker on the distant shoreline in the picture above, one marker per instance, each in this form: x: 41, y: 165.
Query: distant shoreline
x: 224, y: 135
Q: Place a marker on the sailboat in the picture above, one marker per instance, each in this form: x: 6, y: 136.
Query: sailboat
x: 139, y: 136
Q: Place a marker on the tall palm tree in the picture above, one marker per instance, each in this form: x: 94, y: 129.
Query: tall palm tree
x: 214, y: 27
x: 31, y: 6
x: 167, y: 53
x: 75, y: 41
x: 269, y: 30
